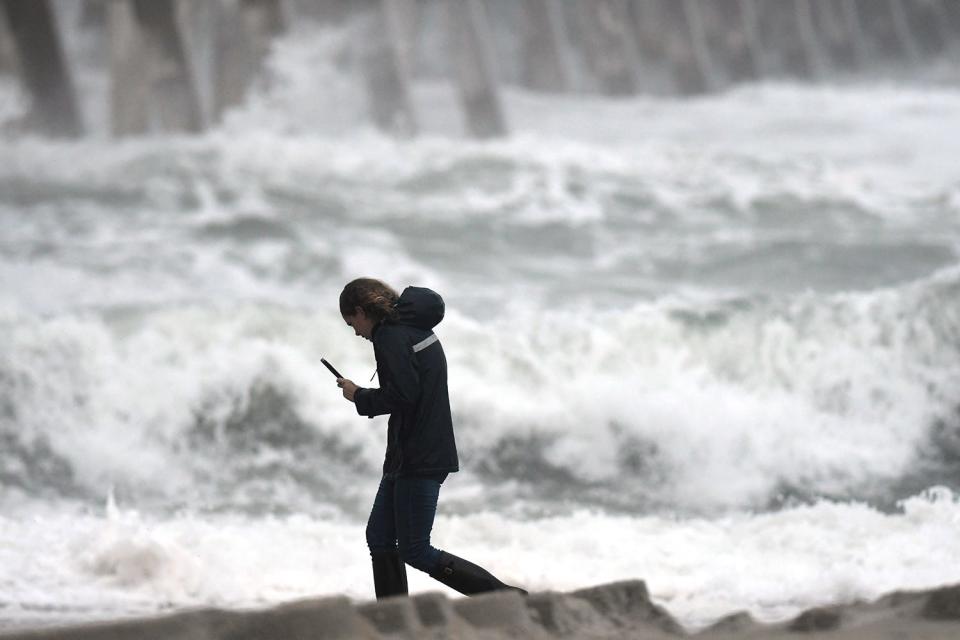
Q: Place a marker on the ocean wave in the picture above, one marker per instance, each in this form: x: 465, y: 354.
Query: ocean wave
x: 119, y: 560
x: 683, y: 402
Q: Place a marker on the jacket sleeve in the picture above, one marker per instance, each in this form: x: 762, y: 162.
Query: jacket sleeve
x: 399, y: 379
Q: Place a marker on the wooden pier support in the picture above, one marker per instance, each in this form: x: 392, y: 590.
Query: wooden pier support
x: 245, y: 30
x: 807, y: 32
x: 403, y: 25
x: 721, y: 33
x: 94, y: 14
x: 929, y: 30
x: 858, y: 35
x: 648, y: 24
x: 903, y: 30
x: 474, y: 72
x: 178, y: 105
x: 782, y: 34
x: 326, y: 11
x: 730, y: 39
x: 689, y: 75
x: 263, y: 22
x: 43, y: 67
x: 234, y: 63
x: 933, y: 18
x: 693, y: 12
x: 8, y: 53
x: 949, y: 12
x: 879, y: 29
x: 130, y: 83
x: 152, y: 82
x: 608, y: 45
x: 749, y: 21
x: 834, y: 33
x: 652, y: 39
x: 388, y: 85
x: 542, y: 41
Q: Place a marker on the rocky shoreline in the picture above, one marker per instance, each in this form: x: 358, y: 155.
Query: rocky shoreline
x: 608, y: 612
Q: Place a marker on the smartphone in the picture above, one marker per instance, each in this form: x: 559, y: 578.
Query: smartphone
x: 330, y: 367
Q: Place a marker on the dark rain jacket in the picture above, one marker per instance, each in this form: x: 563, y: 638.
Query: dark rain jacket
x: 413, y: 388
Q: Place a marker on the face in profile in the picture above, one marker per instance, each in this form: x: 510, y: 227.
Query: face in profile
x: 361, y: 323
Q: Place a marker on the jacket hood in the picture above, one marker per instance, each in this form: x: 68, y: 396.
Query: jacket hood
x: 419, y: 307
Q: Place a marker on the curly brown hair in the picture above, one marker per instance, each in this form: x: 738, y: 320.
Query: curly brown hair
x: 377, y: 299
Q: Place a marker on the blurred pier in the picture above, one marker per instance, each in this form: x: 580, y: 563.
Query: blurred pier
x: 180, y: 65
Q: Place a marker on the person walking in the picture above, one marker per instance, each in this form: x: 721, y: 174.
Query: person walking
x: 421, y: 449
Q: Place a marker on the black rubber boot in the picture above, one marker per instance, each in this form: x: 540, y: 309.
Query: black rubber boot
x: 466, y: 577
x: 389, y: 574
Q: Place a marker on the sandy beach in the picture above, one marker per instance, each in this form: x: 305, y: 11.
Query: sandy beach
x: 610, y: 611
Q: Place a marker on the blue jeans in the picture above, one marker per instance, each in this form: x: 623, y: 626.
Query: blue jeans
x: 402, y: 518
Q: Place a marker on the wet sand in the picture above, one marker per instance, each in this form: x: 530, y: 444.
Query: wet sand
x: 611, y: 611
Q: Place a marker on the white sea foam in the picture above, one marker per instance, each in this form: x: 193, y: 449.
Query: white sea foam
x: 773, y: 565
